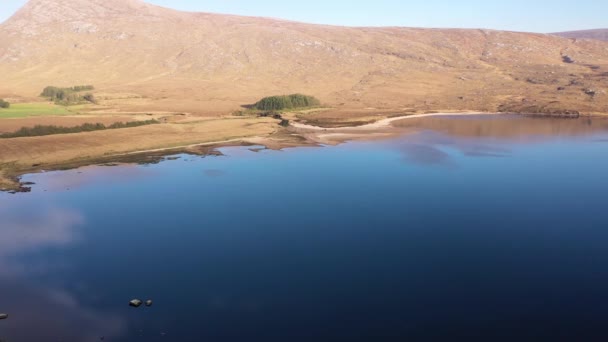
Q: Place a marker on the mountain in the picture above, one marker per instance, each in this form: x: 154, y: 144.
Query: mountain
x: 600, y: 34
x: 200, y: 62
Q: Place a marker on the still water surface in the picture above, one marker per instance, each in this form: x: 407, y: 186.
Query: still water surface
x: 478, y: 228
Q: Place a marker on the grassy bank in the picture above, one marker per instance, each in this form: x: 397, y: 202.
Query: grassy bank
x: 22, y: 110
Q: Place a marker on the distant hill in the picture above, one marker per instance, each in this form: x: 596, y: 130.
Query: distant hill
x: 600, y: 34
x: 202, y: 62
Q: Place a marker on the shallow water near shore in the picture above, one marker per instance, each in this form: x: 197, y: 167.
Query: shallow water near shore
x: 476, y: 228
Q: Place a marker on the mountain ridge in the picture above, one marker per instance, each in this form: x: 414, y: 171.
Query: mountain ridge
x: 599, y: 34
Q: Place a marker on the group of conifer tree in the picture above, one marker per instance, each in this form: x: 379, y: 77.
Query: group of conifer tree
x: 287, y: 102
x: 70, y: 95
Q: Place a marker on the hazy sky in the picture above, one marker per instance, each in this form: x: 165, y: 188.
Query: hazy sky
x: 517, y: 15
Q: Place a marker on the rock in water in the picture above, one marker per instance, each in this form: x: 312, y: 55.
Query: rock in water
x: 149, y: 302
x: 3, y: 316
x: 135, y: 303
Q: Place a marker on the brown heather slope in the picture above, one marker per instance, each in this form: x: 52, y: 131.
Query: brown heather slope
x: 209, y: 63
x: 600, y: 34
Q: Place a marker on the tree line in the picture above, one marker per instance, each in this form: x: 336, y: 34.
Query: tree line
x: 41, y: 130
x: 69, y: 95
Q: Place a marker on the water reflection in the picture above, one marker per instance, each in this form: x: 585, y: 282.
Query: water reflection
x: 26, y: 230
x: 440, y: 141
x: 425, y: 154
x: 432, y: 148
x: 38, y: 313
x: 77, y: 178
x: 486, y: 151
x: 511, y: 127
x: 214, y: 173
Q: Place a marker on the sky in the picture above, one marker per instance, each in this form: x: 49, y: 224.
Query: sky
x: 542, y: 16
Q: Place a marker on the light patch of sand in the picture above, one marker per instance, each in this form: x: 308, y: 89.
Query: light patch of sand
x: 380, y: 124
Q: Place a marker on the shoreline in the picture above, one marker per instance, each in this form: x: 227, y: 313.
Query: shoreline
x: 11, y: 172
x: 296, y: 135
x: 299, y: 135
x: 382, y: 123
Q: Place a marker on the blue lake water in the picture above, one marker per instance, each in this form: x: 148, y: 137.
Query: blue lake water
x: 466, y: 229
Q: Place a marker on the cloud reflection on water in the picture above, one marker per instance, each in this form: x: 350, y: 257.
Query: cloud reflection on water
x: 38, y: 228
x: 37, y: 311
x: 437, y: 149
x: 425, y: 154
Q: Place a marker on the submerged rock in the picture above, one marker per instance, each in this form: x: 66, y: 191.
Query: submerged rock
x: 135, y: 303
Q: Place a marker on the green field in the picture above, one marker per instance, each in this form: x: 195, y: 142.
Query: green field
x: 22, y: 110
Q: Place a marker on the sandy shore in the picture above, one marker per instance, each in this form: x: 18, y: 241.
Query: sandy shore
x: 380, y: 129
x: 383, y: 123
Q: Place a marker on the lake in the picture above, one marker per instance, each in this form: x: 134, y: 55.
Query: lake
x: 462, y: 228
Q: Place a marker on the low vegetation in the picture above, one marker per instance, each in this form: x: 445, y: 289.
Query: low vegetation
x: 287, y: 102
x: 70, y: 95
x: 22, y: 110
x: 4, y: 104
x: 265, y: 114
x: 41, y: 130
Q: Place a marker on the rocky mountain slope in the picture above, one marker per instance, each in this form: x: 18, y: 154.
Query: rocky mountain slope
x: 601, y: 34
x: 202, y: 62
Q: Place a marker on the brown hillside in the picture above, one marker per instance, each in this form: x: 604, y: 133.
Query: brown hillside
x: 208, y: 63
x: 600, y: 34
